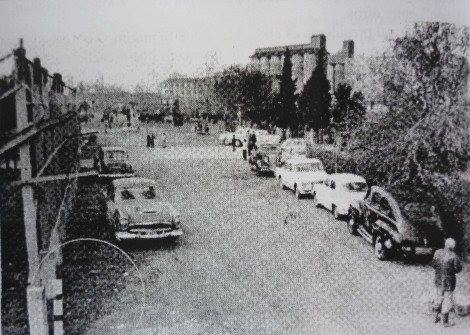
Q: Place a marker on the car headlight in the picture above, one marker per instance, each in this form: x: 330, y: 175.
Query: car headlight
x: 176, y: 220
x: 388, y: 244
x: 125, y: 221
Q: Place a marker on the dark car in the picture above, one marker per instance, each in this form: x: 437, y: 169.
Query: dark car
x: 264, y: 158
x: 392, y: 231
x: 114, y: 161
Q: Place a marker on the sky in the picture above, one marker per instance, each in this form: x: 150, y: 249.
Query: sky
x: 132, y: 42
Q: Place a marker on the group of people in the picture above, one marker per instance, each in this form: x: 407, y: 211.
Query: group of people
x: 248, y: 144
x: 151, y: 140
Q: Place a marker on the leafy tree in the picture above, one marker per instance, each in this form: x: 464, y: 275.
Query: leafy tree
x: 285, y: 108
x: 248, y: 89
x: 315, y: 98
x: 348, y: 112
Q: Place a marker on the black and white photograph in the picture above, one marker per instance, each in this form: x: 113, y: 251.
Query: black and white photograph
x: 219, y: 167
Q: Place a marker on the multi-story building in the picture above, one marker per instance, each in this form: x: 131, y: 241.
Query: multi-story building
x: 304, y: 58
x: 191, y: 92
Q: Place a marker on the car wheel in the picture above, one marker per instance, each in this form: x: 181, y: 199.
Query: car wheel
x: 298, y: 195
x: 379, y: 249
x: 352, y: 225
x: 238, y: 143
x: 315, y: 200
x: 224, y: 141
x: 334, y: 211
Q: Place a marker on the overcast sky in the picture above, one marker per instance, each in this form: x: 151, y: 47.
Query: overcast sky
x: 131, y: 42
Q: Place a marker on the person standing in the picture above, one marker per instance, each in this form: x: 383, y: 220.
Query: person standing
x: 244, y: 149
x: 163, y: 140
x: 233, y: 142
x: 446, y: 265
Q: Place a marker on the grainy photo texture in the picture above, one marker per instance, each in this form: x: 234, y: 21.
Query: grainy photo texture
x: 234, y: 167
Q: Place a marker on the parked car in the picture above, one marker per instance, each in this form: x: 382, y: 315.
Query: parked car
x: 136, y: 211
x: 293, y: 147
x: 114, y: 162
x: 379, y: 219
x: 301, y: 174
x: 264, y: 158
x: 339, y: 192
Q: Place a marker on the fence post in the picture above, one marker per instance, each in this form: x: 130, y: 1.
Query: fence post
x: 36, y: 303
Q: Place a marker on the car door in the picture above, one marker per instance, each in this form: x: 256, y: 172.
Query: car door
x: 371, y: 213
x: 386, y: 221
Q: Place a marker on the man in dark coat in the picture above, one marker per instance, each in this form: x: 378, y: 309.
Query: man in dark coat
x: 446, y: 265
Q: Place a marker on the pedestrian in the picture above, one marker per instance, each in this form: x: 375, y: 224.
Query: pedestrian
x: 244, y: 148
x: 152, y: 140
x: 446, y: 265
x: 163, y: 140
x: 233, y: 142
x: 149, y: 140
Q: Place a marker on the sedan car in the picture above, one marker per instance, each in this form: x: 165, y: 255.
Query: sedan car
x: 339, y: 192
x: 301, y: 174
x: 264, y: 158
x: 114, y: 162
x: 136, y: 211
x: 392, y: 231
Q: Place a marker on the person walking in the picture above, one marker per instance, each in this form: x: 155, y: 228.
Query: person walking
x: 233, y: 142
x: 163, y: 140
x: 446, y: 265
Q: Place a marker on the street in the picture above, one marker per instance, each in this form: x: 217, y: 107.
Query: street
x: 255, y: 260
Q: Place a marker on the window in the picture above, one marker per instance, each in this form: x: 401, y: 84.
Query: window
x: 356, y: 187
x: 127, y: 195
x: 375, y: 199
x: 386, y: 209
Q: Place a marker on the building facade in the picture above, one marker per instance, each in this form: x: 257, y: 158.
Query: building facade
x: 304, y: 58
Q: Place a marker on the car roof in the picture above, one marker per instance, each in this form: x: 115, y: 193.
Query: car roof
x: 347, y: 177
x: 109, y: 148
x: 133, y: 181
x: 300, y: 160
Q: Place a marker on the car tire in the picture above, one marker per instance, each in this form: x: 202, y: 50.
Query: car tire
x: 379, y: 249
x: 334, y: 211
x: 352, y: 225
x: 315, y: 200
x: 298, y: 195
x: 224, y: 141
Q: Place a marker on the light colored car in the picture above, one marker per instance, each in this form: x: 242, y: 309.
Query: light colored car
x: 114, y: 163
x: 301, y: 174
x: 137, y: 211
x: 293, y: 147
x: 339, y: 192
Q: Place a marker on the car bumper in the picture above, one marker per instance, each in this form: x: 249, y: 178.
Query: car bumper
x: 418, y: 251
x: 147, y: 235
x: 306, y: 191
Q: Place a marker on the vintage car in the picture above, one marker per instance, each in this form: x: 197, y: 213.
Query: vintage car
x: 392, y: 232
x: 339, y: 192
x: 136, y: 211
x: 263, y: 159
x: 293, y: 147
x: 114, y: 162
x: 301, y: 174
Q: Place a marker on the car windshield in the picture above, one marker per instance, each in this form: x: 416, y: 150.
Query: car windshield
x: 115, y: 156
x: 356, y: 187
x: 139, y: 193
x: 308, y: 167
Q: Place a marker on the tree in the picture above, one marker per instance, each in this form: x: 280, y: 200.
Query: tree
x: 315, y: 98
x: 285, y: 108
x: 247, y: 89
x: 348, y: 112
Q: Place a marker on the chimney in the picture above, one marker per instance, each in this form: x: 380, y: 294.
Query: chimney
x: 318, y: 41
x: 348, y: 48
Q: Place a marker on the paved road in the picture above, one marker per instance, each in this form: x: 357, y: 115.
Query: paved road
x: 255, y: 260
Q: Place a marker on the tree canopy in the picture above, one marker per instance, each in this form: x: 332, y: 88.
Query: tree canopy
x: 285, y: 109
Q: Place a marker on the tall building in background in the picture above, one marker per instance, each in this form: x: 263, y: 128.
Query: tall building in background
x: 304, y: 58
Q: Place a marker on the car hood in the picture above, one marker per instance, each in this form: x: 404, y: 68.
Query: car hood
x: 149, y: 210
x: 310, y: 176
